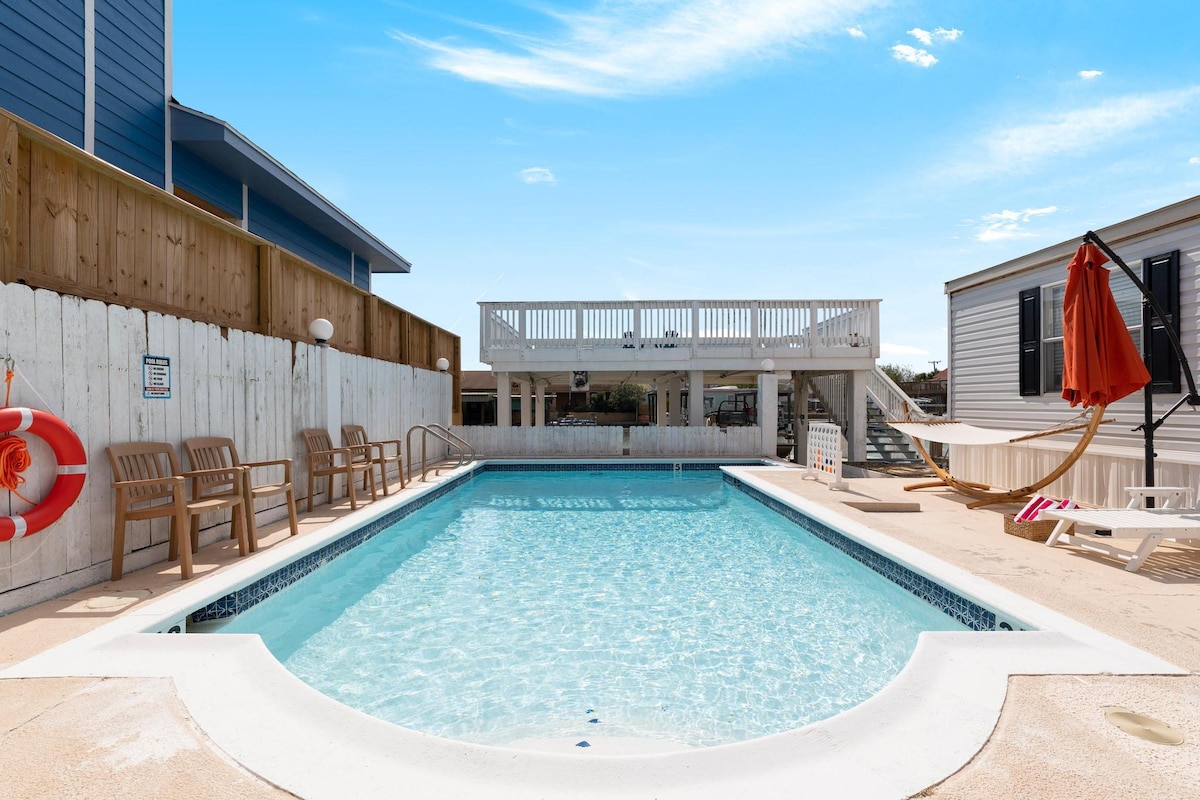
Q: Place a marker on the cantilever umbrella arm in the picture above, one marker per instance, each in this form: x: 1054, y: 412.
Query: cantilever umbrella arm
x: 1192, y: 397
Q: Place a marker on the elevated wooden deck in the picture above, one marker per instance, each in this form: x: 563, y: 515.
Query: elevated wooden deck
x: 725, y: 337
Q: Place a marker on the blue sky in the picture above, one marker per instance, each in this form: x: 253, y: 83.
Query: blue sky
x: 736, y: 149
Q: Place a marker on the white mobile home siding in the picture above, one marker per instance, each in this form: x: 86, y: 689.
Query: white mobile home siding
x: 984, y: 360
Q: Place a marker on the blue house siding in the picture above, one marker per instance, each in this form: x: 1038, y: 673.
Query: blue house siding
x: 130, y: 91
x: 274, y: 224
x: 193, y: 174
x: 362, y: 273
x: 42, y: 64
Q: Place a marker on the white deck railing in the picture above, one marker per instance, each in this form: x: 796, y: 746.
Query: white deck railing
x: 761, y: 325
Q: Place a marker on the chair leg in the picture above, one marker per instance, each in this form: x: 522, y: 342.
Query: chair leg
x: 291, y: 501
x: 251, y: 523
x: 310, y: 489
x: 374, y: 494
x: 239, y: 527
x: 173, y: 539
x: 118, y: 560
x: 180, y: 523
x: 350, y: 488
x: 383, y: 476
x: 195, y: 533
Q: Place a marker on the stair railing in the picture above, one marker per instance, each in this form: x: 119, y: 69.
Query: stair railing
x: 452, y: 442
x: 893, y: 401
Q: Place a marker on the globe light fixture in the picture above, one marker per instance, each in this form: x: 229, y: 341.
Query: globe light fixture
x: 768, y: 365
x: 443, y: 364
x: 321, y: 330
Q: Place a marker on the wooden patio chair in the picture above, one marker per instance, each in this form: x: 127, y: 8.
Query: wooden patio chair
x: 325, y: 460
x: 149, y: 484
x: 355, y: 437
x: 216, y: 452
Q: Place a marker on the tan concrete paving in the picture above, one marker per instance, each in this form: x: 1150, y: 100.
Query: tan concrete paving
x: 132, y: 737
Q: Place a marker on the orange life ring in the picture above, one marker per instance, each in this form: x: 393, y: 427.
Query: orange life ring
x: 72, y: 469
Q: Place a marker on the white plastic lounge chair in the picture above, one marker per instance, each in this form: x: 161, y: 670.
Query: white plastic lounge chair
x: 1151, y: 525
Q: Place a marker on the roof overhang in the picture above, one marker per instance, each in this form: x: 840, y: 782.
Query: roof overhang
x: 219, y: 144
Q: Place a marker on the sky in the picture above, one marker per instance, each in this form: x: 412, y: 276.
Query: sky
x: 709, y: 149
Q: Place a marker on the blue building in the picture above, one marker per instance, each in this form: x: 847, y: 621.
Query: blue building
x: 97, y: 73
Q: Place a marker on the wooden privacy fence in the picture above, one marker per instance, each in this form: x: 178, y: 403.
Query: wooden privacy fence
x: 75, y: 224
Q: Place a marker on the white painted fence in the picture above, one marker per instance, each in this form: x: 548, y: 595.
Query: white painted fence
x: 825, y: 454
x: 697, y: 441
x: 595, y: 441
x: 81, y: 360
x: 606, y: 441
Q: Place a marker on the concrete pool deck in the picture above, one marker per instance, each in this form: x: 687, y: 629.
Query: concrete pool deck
x: 98, y: 737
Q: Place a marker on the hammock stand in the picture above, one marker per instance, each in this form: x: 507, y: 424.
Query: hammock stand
x: 983, y: 493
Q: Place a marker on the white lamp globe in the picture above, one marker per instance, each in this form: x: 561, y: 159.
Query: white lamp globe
x: 321, y: 329
x: 768, y: 365
x: 443, y: 364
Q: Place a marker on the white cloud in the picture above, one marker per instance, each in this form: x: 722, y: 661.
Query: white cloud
x: 922, y: 36
x: 913, y: 55
x: 537, y: 175
x: 1090, y: 74
x: 1194, y: 160
x: 1073, y: 132
x: 946, y: 34
x: 622, y: 47
x: 856, y: 32
x: 1007, y: 224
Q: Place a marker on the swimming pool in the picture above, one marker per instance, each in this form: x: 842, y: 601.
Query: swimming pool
x: 649, y: 604
x: 923, y: 726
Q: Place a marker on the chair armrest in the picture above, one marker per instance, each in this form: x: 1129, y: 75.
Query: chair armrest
x: 380, y: 444
x: 140, y: 482
x: 344, y: 452
x: 286, y: 463
x: 201, y: 473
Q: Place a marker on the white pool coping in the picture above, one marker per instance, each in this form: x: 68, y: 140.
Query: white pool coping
x: 923, y: 727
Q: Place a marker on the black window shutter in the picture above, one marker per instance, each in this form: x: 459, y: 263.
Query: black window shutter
x: 1161, y: 276
x: 1030, y: 335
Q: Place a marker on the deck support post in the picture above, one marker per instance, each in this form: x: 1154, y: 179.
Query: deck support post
x: 503, y: 400
x: 856, y: 415
x: 695, y: 397
x: 768, y: 412
x: 525, y: 416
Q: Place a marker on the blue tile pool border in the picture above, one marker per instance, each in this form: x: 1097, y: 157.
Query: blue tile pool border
x: 949, y: 602
x: 969, y: 613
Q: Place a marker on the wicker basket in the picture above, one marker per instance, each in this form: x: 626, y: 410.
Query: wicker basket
x: 1038, y: 531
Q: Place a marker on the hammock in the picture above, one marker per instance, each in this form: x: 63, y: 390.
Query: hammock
x: 951, y: 432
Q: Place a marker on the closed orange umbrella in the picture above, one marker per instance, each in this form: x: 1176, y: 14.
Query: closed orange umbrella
x: 1101, y: 363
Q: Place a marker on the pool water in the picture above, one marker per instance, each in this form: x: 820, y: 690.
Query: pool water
x: 539, y: 605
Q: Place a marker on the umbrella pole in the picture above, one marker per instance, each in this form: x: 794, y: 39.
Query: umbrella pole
x: 1150, y: 306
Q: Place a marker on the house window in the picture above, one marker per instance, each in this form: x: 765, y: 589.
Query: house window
x: 1041, y: 330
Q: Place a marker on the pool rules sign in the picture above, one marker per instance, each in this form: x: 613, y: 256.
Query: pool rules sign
x: 156, y: 377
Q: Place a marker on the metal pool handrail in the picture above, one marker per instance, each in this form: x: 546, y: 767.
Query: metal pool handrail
x: 442, y: 429
x: 426, y: 431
